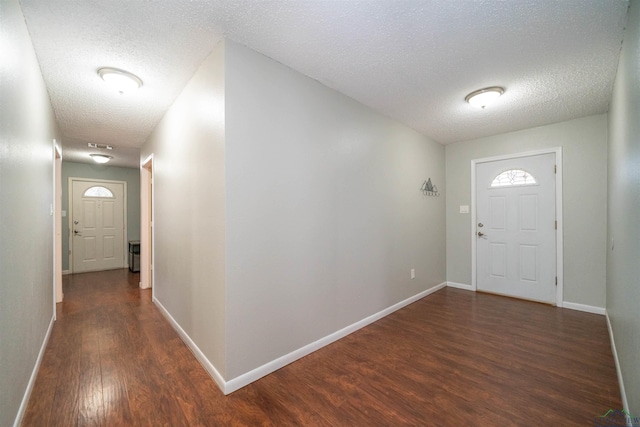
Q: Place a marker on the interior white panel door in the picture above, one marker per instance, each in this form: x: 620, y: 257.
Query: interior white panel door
x: 516, y: 229
x: 97, y: 225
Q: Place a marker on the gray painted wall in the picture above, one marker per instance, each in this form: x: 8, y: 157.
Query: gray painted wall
x: 27, y: 128
x: 324, y: 214
x: 96, y: 171
x: 584, y: 145
x: 285, y: 211
x: 623, y: 249
x: 189, y: 213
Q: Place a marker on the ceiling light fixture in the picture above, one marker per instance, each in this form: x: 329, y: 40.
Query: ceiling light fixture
x: 122, y: 80
x: 100, y: 158
x: 101, y: 146
x: 482, y: 97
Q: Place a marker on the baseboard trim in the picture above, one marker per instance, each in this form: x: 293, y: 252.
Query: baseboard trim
x: 243, y: 380
x: 261, y: 371
x: 65, y: 272
x: 34, y: 374
x: 583, y: 307
x: 208, y: 366
x: 459, y: 286
x: 623, y: 395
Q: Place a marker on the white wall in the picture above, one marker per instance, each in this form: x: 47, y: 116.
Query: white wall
x: 27, y: 128
x: 324, y: 214
x: 285, y: 211
x: 623, y: 248
x: 584, y: 145
x: 188, y: 148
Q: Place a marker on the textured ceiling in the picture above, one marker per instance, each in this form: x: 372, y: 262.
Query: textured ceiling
x: 411, y: 60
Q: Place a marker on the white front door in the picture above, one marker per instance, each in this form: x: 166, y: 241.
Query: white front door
x: 516, y: 227
x: 97, y: 225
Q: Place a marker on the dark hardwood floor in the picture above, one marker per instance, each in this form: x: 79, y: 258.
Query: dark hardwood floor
x: 454, y: 358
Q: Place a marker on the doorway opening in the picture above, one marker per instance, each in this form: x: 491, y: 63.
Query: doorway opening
x: 516, y: 225
x: 146, y: 223
x: 56, y: 210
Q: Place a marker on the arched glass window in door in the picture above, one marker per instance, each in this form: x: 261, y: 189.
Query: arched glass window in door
x: 98, y: 191
x: 512, y: 178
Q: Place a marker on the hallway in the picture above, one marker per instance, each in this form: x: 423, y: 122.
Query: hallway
x: 453, y: 358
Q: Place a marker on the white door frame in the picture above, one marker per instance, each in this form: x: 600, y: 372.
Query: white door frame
x: 559, y: 242
x: 56, y: 210
x: 125, y: 249
x: 147, y: 231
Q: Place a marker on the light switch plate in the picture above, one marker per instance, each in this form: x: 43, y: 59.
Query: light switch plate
x: 464, y: 208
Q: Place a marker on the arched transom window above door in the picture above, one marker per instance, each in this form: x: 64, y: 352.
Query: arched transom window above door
x: 512, y: 178
x: 98, y: 191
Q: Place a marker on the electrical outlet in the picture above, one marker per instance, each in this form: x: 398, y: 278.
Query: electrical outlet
x: 413, y: 273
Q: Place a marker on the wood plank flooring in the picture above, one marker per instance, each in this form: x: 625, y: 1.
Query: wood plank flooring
x: 454, y: 358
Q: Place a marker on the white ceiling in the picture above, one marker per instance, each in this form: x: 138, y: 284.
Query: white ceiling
x: 413, y: 60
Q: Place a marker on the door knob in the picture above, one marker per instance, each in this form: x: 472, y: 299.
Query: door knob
x: 480, y: 234
x: 480, y: 224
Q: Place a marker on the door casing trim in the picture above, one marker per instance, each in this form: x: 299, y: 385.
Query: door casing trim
x: 559, y: 242
x: 147, y: 232
x: 125, y: 250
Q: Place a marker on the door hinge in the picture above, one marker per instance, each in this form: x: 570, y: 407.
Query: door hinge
x: 556, y: 224
x: 556, y: 280
x: 555, y: 169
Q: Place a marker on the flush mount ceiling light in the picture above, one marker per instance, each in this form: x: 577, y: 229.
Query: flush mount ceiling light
x: 100, y: 158
x: 483, y: 97
x: 122, y: 81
